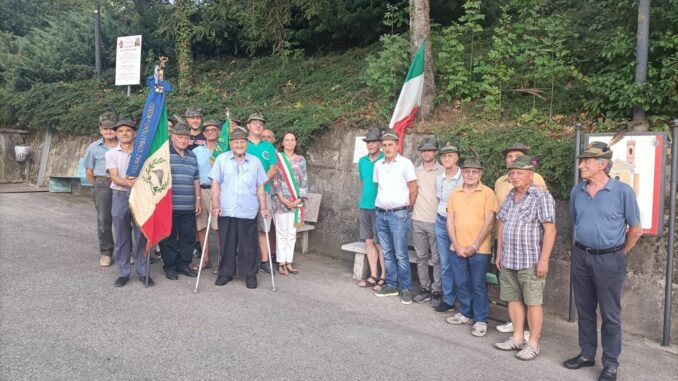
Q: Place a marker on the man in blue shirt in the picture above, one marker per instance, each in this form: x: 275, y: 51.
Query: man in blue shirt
x: 95, y: 170
x: 601, y: 208
x: 177, y: 249
x: 241, y: 176
x: 203, y: 153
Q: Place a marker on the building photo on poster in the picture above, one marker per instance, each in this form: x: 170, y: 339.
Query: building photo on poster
x: 639, y: 159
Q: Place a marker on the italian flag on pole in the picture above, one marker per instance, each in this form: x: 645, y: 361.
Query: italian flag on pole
x: 409, y: 99
x: 151, y: 197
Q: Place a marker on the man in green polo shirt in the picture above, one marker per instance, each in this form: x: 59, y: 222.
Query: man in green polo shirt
x: 367, y: 217
x: 265, y: 152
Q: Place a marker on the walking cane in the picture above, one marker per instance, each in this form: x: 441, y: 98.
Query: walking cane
x: 270, y: 259
x: 204, y: 245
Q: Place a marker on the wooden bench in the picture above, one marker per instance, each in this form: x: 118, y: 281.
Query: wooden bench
x: 64, y: 184
x: 312, y: 205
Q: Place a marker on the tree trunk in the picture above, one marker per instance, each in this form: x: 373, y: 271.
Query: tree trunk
x: 641, y: 60
x: 183, y: 42
x: 420, y: 28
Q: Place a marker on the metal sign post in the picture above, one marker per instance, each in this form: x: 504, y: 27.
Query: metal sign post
x: 666, y: 337
x: 577, y: 149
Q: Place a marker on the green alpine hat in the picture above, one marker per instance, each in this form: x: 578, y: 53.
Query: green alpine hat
x: 373, y: 135
x: 517, y: 147
x: 125, y: 122
x: 472, y: 162
x: 181, y: 128
x: 107, y: 120
x: 256, y: 116
x: 450, y: 147
x: 193, y: 111
x: 388, y: 135
x: 597, y: 150
x: 238, y: 133
x: 522, y: 162
x: 211, y: 122
x: 428, y: 145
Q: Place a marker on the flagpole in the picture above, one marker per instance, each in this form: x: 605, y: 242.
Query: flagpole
x: 148, y: 268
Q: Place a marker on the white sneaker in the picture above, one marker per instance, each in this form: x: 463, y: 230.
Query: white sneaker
x: 459, y: 319
x: 506, y: 327
x: 105, y: 261
x: 479, y: 329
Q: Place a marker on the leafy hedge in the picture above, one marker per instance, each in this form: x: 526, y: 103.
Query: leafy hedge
x: 302, y: 95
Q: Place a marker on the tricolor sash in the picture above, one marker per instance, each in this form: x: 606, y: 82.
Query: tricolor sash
x: 286, y: 173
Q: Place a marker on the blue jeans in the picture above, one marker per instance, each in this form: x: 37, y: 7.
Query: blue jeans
x: 446, y: 274
x: 471, y: 281
x: 392, y: 230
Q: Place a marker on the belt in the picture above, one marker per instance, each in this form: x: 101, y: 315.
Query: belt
x: 393, y: 209
x: 121, y: 192
x: 441, y: 216
x: 205, y: 186
x: 592, y: 251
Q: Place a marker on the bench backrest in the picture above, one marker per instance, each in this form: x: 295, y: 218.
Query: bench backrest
x: 312, y: 205
x: 81, y: 172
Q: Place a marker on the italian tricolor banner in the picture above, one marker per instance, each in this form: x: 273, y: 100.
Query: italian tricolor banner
x: 286, y: 173
x: 409, y: 99
x: 150, y: 200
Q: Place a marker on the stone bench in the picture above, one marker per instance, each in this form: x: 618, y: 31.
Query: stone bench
x: 361, y: 268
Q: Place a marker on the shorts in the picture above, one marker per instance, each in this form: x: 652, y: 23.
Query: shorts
x: 260, y: 219
x: 367, y: 224
x: 205, y: 203
x: 521, y: 285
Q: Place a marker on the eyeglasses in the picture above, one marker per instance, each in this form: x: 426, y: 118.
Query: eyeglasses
x: 471, y: 172
x: 211, y: 129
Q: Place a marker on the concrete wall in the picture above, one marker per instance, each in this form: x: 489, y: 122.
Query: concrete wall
x: 333, y: 174
x: 64, y: 153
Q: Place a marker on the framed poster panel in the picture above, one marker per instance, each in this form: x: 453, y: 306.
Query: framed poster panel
x: 639, y: 160
x: 128, y: 61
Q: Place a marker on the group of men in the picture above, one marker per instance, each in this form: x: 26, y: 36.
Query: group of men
x: 240, y: 216
x: 453, y: 217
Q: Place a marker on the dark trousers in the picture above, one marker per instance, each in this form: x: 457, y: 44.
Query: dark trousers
x: 177, y: 249
x: 103, y: 195
x: 239, y: 245
x: 598, y: 281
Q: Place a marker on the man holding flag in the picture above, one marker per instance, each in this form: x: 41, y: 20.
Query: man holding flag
x: 150, y: 199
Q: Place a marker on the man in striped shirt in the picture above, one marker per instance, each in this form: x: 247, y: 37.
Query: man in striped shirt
x: 526, y: 232
x: 177, y: 249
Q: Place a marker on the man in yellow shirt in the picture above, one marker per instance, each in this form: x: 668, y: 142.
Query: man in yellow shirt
x: 470, y: 217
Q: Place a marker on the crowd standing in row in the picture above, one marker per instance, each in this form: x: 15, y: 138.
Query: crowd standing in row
x: 451, y: 215
x: 248, y: 189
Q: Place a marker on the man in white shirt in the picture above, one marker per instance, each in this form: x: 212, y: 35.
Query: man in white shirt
x: 396, y: 192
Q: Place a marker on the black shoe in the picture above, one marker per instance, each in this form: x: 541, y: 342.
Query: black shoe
x: 121, y: 281
x: 578, y: 362
x: 444, y: 307
x: 223, y: 281
x: 171, y: 275
x: 264, y: 266
x: 608, y: 374
x: 251, y: 281
x: 188, y: 272
x: 436, y: 299
x: 142, y: 279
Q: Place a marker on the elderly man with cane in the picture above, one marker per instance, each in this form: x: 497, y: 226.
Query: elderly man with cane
x: 242, y: 177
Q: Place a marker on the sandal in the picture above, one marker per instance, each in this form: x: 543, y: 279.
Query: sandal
x: 291, y: 269
x: 282, y: 270
x: 379, y: 285
x: 205, y: 265
x: 369, y: 282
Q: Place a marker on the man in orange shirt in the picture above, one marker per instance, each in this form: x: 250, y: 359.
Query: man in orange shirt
x: 470, y: 216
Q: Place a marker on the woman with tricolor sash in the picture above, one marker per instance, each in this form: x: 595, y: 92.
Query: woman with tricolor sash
x: 290, y: 187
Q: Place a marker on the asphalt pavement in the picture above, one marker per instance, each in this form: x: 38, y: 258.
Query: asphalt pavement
x: 62, y: 319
